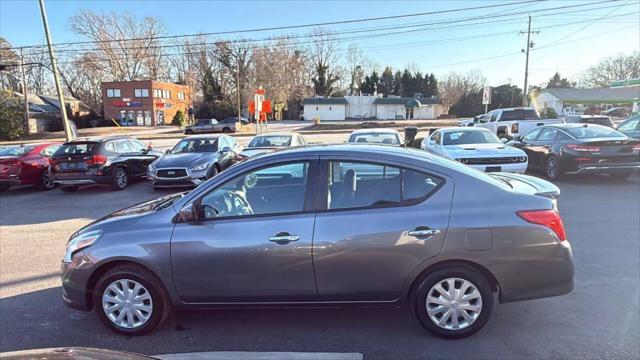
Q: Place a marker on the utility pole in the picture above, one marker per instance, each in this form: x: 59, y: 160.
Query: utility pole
x: 238, y: 90
x: 54, y: 66
x: 525, y: 92
x: 24, y: 92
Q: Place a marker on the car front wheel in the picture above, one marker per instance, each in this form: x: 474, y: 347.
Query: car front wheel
x: 120, y: 179
x: 130, y: 300
x: 453, y: 302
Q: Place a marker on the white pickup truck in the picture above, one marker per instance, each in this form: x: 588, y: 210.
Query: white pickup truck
x: 511, y: 122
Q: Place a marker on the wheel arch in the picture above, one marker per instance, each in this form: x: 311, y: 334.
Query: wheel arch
x: 106, y: 267
x: 495, y: 285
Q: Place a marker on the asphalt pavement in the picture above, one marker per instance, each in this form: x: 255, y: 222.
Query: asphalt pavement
x: 599, y: 319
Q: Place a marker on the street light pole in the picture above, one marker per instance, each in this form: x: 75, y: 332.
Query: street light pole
x: 24, y: 92
x: 238, y: 90
x: 63, y: 109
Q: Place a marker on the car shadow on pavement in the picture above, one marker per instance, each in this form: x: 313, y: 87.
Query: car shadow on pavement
x: 39, y: 319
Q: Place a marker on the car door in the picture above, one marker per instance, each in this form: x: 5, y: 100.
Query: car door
x: 526, y: 144
x: 142, y: 155
x: 262, y: 255
x: 200, y: 125
x: 541, y: 146
x: 375, y: 223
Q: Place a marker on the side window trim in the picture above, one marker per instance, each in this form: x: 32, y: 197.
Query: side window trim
x: 323, y: 184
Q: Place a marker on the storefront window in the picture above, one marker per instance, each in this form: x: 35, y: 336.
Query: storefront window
x: 139, y: 93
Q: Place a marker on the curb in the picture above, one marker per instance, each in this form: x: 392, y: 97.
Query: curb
x: 251, y: 355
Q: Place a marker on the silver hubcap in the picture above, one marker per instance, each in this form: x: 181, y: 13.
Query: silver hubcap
x: 552, y: 168
x: 454, y: 304
x: 127, y: 303
x: 46, y: 180
x: 121, y: 178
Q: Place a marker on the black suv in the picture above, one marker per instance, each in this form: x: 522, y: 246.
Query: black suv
x: 110, y: 160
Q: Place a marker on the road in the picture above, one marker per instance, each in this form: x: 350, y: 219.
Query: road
x: 599, y: 319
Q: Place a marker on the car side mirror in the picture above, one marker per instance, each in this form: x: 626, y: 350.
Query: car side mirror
x: 168, y: 151
x: 188, y: 213
x: 518, y: 138
x: 225, y: 149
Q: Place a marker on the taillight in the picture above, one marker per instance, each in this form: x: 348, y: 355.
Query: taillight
x: 96, y: 160
x: 514, y: 128
x: 585, y: 148
x: 548, y: 218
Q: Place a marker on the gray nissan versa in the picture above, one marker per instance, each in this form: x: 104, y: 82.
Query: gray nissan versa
x: 327, y: 225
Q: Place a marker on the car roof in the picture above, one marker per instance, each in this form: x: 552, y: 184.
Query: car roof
x: 207, y: 136
x: 462, y: 128
x: 587, y: 116
x: 98, y: 139
x: 375, y: 131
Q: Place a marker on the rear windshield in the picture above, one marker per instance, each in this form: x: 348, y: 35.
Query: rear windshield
x: 375, y: 138
x: 470, y: 137
x: 75, y: 149
x: 15, y: 150
x: 594, y: 131
x: 268, y: 141
x: 604, y: 121
x: 519, y: 114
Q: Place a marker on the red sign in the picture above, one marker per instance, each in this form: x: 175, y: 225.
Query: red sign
x: 120, y: 103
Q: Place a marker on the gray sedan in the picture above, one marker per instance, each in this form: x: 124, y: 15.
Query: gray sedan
x: 308, y: 226
x: 193, y: 160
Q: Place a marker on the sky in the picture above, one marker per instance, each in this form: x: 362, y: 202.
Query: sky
x: 566, y: 40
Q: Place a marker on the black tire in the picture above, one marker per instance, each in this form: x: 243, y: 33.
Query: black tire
x: 188, y: 132
x: 213, y: 171
x: 459, y: 272
x: 4, y: 187
x: 620, y: 176
x: 119, y: 179
x: 160, y: 304
x: 69, y: 188
x: 46, y: 183
x: 226, y: 130
x: 552, y: 168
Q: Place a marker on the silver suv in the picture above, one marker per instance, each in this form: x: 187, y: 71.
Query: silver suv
x: 327, y: 225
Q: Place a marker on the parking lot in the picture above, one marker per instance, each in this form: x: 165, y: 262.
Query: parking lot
x: 599, y: 319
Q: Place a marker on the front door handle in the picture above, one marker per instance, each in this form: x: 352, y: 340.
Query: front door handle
x: 423, y: 232
x: 284, y: 238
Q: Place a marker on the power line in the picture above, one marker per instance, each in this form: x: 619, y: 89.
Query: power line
x: 338, y: 22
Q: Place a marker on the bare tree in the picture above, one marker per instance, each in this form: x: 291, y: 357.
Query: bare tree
x: 322, y: 56
x: 127, y: 46
x: 356, y: 67
x: 9, y: 78
x: 38, y: 72
x: 81, y: 79
x: 454, y: 86
x: 619, y: 67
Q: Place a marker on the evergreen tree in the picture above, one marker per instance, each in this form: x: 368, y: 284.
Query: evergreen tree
x: 386, y: 82
x: 397, y: 83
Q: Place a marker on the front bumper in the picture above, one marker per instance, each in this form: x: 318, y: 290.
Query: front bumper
x: 551, y: 275
x: 191, y: 180
x: 75, y: 280
x: 518, y: 168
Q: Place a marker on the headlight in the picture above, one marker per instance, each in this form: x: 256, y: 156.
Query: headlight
x: 522, y: 159
x: 463, y: 160
x: 79, y: 242
x: 152, y: 167
x: 200, y: 167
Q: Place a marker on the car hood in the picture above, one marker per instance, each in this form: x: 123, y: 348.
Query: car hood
x: 482, y: 150
x: 249, y: 152
x: 185, y: 160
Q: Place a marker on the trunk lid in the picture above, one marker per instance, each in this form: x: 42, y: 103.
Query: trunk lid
x: 530, y: 185
x: 72, y: 157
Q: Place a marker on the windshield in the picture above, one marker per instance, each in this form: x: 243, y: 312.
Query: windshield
x: 195, y: 146
x: 594, y: 131
x: 519, y: 114
x: 15, y: 150
x: 469, y: 137
x: 270, y: 141
x: 375, y: 138
x: 604, y: 121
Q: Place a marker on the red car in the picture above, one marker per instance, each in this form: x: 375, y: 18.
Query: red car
x: 26, y: 165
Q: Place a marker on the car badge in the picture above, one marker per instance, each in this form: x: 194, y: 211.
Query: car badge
x: 171, y: 172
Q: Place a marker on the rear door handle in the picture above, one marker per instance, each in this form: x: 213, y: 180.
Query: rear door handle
x: 424, y: 232
x: 284, y: 238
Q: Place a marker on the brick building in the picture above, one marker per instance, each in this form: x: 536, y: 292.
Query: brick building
x: 144, y: 103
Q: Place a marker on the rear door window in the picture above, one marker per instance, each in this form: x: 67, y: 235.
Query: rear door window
x: 548, y: 134
x: 123, y: 146
x: 531, y: 135
x: 364, y: 185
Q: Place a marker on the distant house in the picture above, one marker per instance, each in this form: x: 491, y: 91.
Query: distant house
x: 40, y: 104
x: 572, y: 101
x: 372, y: 107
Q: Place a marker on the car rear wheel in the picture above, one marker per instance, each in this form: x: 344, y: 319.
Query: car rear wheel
x: 4, y: 187
x: 119, y: 179
x: 188, y: 132
x: 620, y: 176
x: 552, y: 168
x: 130, y: 300
x: 46, y: 181
x: 226, y: 130
x: 69, y: 188
x: 453, y: 302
